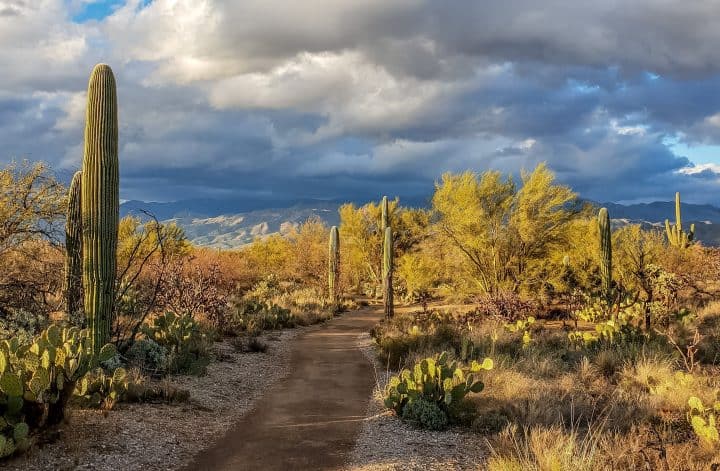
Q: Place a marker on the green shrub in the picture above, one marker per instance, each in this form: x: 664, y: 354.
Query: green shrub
x: 149, y: 356
x: 436, y: 380
x: 403, y: 336
x: 21, y: 324
x: 254, y: 317
x: 425, y: 414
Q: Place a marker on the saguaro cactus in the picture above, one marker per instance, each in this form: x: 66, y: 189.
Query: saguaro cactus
x: 333, y: 264
x: 100, y: 203
x: 675, y: 234
x: 73, y: 247
x: 384, y: 222
x: 605, y: 252
x: 387, y: 272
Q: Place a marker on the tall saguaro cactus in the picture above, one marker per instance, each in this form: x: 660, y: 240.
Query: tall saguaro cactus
x: 675, y: 234
x: 73, y: 247
x: 384, y: 221
x: 333, y: 264
x: 605, y: 252
x: 387, y: 273
x: 100, y: 203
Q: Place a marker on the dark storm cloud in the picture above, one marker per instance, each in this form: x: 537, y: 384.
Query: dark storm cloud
x: 269, y: 99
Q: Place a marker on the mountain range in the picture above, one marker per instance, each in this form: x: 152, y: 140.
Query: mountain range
x: 230, y: 224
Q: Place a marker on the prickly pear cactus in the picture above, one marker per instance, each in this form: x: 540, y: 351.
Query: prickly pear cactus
x: 37, y: 378
x: 435, y: 380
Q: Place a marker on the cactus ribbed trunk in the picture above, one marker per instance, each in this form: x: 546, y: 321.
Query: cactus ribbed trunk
x: 384, y: 222
x: 100, y: 203
x: 334, y: 264
x: 73, y: 248
x: 387, y: 273
x: 605, y: 253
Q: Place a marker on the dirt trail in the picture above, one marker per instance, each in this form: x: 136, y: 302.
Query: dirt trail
x: 310, y: 419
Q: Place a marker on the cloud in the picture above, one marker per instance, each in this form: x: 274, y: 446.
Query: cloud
x: 329, y: 98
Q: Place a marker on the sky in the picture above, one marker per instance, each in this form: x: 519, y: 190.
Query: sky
x: 270, y: 100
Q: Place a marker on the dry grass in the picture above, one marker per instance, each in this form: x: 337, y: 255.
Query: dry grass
x: 550, y: 406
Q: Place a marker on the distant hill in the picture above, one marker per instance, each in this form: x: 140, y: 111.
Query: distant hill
x: 661, y: 210
x: 705, y: 217
x: 229, y: 224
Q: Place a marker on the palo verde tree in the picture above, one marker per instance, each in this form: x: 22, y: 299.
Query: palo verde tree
x: 506, y: 234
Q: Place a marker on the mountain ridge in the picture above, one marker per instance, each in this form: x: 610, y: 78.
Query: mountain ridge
x: 229, y: 224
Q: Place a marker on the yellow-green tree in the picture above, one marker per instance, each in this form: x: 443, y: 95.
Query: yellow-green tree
x: 360, y: 231
x: 506, y: 234
x: 308, y: 258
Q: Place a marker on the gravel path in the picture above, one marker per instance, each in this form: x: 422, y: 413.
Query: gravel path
x: 310, y: 419
x: 387, y: 443
x: 166, y: 436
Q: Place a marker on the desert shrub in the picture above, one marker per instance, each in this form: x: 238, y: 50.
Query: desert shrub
x: 32, y: 206
x: 147, y: 252
x: 249, y: 344
x: 420, y: 332
x: 537, y: 449
x: 188, y: 288
x: 23, y: 325
x: 252, y: 316
x: 425, y: 414
x: 439, y: 383
x: 37, y: 378
x: 183, y: 337
x: 504, y: 305
x: 149, y: 356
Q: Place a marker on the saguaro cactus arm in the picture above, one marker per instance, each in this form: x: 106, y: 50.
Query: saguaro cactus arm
x: 73, y: 247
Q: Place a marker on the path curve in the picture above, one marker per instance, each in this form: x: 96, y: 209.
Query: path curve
x: 310, y: 419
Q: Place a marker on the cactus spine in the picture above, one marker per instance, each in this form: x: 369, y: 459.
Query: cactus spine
x: 334, y: 264
x: 73, y: 248
x: 605, y: 253
x: 675, y: 234
x: 100, y: 203
x: 387, y: 272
